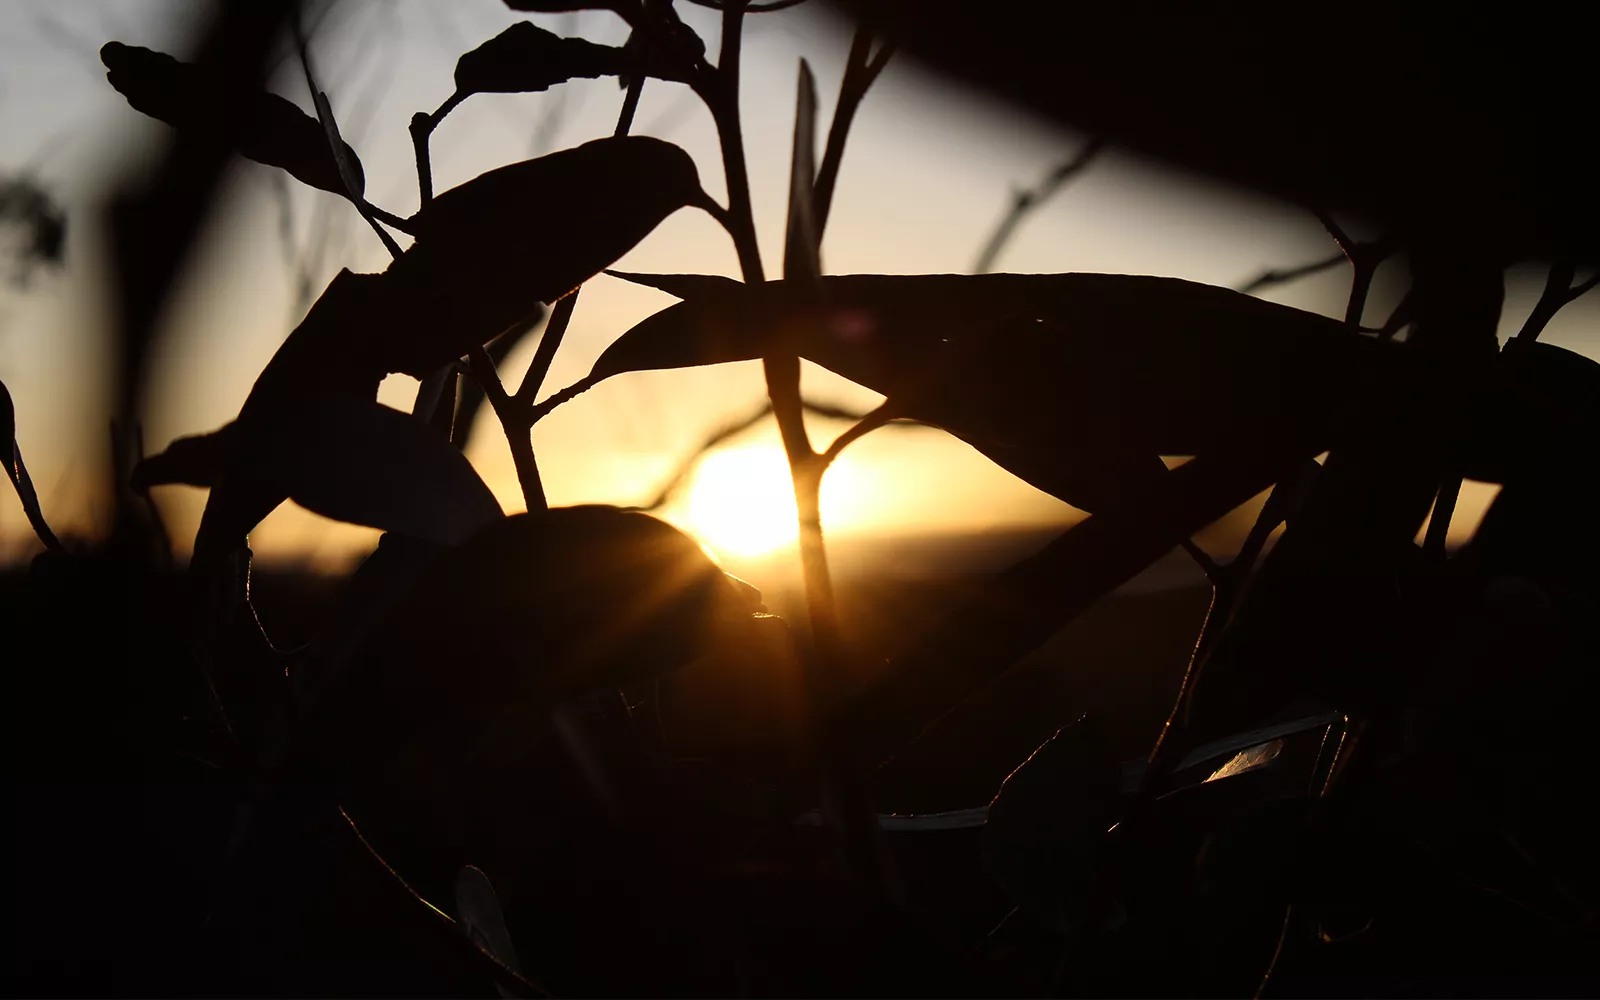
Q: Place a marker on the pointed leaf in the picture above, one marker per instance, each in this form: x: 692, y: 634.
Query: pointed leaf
x: 490, y: 251
x: 261, y: 126
x: 684, y: 286
x: 1075, y: 382
x: 801, y: 260
x: 526, y: 58
x: 17, y: 472
x: 357, y: 461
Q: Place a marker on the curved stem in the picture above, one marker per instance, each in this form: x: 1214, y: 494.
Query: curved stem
x: 514, y: 420
x: 866, y: 425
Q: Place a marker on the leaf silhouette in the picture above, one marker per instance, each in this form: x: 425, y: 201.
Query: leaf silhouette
x: 491, y: 250
x: 261, y: 126
x: 347, y: 459
x: 192, y: 461
x: 526, y: 58
x: 17, y: 472
x: 1539, y: 404
x: 1074, y: 382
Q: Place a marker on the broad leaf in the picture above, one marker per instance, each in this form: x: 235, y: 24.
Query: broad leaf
x: 1074, y: 382
x: 490, y: 251
x: 347, y: 459
x: 261, y: 126
x: 527, y: 58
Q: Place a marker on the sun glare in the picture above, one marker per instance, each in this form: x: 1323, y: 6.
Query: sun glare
x: 742, y: 504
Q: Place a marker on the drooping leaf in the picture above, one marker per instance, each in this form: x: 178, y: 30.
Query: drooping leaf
x: 261, y: 126
x: 367, y: 464
x: 526, y: 58
x: 491, y: 250
x: 1075, y: 382
x: 17, y: 472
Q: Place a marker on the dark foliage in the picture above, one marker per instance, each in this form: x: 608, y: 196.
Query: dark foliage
x: 620, y: 774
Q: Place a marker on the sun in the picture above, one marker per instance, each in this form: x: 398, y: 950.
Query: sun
x: 741, y: 502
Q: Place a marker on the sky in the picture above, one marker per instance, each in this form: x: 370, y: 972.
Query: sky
x: 927, y: 175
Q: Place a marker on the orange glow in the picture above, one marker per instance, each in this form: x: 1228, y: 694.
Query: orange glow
x: 741, y: 502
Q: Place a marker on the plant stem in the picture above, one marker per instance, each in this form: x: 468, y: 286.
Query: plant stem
x: 722, y: 97
x: 1444, y: 506
x: 514, y: 421
x: 554, y: 331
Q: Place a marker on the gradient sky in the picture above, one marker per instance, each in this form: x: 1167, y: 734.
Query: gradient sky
x: 927, y: 176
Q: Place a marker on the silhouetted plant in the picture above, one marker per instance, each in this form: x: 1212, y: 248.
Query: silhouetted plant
x: 515, y: 695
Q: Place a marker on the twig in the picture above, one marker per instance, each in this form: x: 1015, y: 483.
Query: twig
x: 1023, y: 202
x: 1444, y: 507
x: 723, y: 433
x: 514, y: 420
x: 422, y: 126
x: 630, y: 105
x: 864, y: 426
x: 1267, y: 279
x: 330, y: 129
x: 1364, y: 258
x: 1558, y: 291
x: 860, y: 70
x: 554, y: 331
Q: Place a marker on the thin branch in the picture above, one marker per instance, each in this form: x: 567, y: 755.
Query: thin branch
x: 330, y: 129
x: 1214, y: 573
x: 721, y: 95
x: 560, y: 397
x: 1558, y: 291
x: 513, y: 420
x: 1400, y: 317
x: 727, y: 431
x: 554, y: 331
x: 630, y: 105
x: 861, y: 69
x: 1444, y: 507
x: 422, y: 126
x: 389, y: 218
x: 1365, y: 258
x: 1023, y: 202
x: 1267, y: 279
x: 864, y: 426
